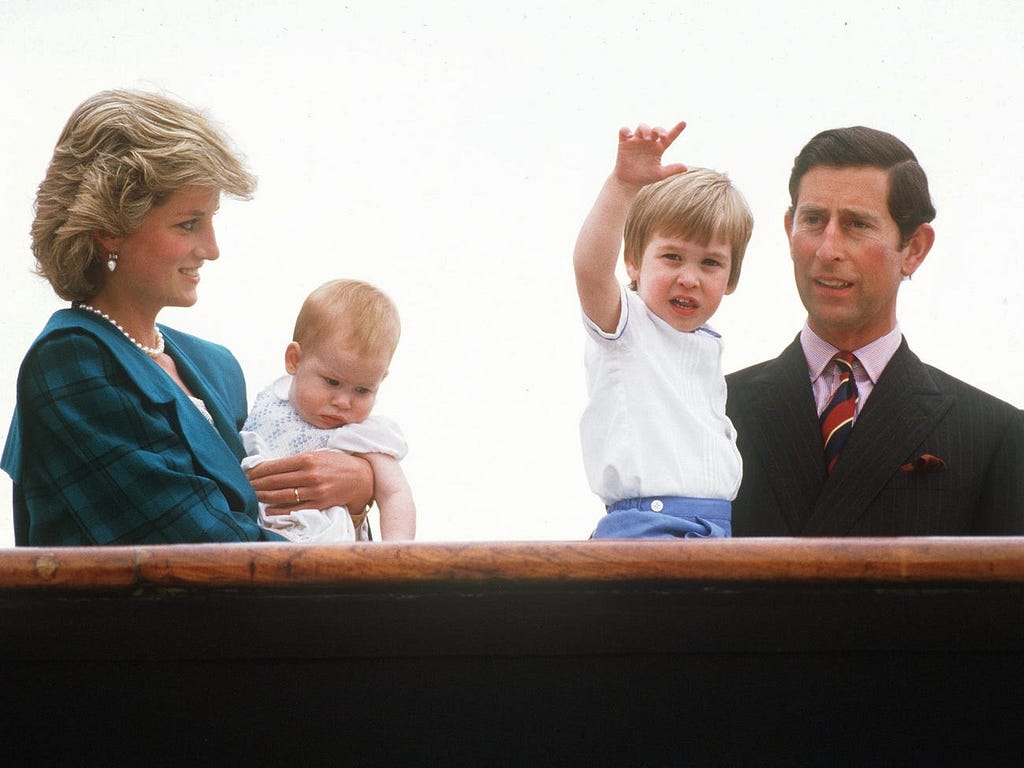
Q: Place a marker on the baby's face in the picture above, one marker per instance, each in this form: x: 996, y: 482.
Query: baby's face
x: 332, y: 383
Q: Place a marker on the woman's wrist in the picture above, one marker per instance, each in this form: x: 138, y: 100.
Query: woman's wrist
x: 359, y: 517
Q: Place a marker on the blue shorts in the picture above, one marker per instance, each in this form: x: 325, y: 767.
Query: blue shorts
x: 666, y: 517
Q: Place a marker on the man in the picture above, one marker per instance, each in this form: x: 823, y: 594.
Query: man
x: 927, y: 455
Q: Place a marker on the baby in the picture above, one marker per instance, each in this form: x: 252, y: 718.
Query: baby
x: 345, y: 336
x: 657, y: 446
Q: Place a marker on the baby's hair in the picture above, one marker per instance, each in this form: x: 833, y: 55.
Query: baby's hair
x: 120, y: 154
x: 700, y: 205
x: 367, y: 318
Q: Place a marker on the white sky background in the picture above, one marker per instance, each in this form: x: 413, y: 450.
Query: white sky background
x: 448, y: 152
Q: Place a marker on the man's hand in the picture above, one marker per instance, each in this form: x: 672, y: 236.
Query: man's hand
x: 314, y: 480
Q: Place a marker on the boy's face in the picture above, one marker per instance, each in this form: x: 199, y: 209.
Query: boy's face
x: 682, y: 282
x: 332, y: 383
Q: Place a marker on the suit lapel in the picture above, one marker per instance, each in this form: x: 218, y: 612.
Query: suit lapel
x: 787, y: 426
x: 902, y: 410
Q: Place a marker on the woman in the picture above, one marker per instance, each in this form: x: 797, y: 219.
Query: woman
x: 126, y: 432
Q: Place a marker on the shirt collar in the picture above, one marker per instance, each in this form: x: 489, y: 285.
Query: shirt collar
x: 282, y: 387
x: 872, y: 357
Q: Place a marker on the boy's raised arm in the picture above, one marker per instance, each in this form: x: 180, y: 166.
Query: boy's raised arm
x: 637, y: 164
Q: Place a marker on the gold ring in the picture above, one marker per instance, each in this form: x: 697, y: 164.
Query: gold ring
x: 296, y: 492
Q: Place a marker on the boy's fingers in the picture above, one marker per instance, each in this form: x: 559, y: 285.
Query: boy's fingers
x: 658, y: 133
x: 674, y: 133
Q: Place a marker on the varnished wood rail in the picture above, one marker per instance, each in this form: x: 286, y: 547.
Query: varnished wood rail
x: 905, y: 560
x: 724, y: 652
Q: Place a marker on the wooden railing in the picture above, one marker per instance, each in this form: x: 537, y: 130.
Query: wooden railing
x: 788, y: 651
x: 722, y: 560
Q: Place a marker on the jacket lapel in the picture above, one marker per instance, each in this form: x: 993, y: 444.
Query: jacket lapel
x: 902, y: 410
x: 192, y: 374
x: 207, y: 441
x: 787, y: 431
x: 157, y: 388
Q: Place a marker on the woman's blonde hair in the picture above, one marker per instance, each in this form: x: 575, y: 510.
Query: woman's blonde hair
x: 363, y: 314
x: 120, y: 154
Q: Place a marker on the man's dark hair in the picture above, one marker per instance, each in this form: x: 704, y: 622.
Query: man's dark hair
x: 910, y: 203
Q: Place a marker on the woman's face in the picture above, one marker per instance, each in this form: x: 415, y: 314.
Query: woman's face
x: 158, y: 264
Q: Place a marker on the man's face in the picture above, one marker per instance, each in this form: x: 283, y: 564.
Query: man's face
x: 846, y: 253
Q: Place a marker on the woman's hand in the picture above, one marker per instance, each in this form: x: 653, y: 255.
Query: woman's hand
x: 314, y: 480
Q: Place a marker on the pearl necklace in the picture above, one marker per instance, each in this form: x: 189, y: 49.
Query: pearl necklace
x: 151, y: 351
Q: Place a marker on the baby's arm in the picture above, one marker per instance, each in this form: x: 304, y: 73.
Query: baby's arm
x: 597, y: 248
x: 394, y: 498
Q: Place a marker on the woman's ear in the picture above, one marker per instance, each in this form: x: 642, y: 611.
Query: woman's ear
x: 106, y: 241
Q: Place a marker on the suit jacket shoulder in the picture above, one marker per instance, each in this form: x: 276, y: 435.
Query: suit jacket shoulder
x: 929, y: 455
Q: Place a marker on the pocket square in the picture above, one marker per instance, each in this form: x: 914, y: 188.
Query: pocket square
x: 924, y: 463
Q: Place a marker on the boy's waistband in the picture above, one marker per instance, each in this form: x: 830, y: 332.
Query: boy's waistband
x: 688, y: 506
x: 658, y: 517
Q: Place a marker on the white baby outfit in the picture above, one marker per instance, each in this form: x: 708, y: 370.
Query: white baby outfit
x: 274, y: 430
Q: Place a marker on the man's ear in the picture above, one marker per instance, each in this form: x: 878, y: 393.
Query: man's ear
x: 787, y: 220
x: 917, y: 248
x: 292, y: 355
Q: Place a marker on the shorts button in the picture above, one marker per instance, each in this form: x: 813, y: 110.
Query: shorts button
x: 657, y: 506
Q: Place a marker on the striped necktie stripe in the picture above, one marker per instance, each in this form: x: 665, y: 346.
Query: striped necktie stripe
x: 837, y: 418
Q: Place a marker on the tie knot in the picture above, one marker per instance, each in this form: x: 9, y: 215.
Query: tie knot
x: 845, y: 361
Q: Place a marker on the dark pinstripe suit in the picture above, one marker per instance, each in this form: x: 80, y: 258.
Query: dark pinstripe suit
x: 914, y: 410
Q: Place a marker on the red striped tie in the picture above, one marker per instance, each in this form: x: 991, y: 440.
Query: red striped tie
x: 837, y: 418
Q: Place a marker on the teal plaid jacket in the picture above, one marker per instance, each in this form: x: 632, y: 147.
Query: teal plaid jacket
x: 105, y: 448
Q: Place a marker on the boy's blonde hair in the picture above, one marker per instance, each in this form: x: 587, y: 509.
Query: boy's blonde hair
x: 700, y: 205
x: 365, y: 316
x: 120, y: 154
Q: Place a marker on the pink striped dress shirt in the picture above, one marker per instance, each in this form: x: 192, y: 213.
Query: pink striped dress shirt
x: 871, y: 361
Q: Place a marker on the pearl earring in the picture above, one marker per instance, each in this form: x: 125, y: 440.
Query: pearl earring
x: 112, y: 261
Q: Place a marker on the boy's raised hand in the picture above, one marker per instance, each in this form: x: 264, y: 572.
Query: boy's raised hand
x: 638, y: 162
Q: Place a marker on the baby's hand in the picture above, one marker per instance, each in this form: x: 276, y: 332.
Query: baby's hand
x: 639, y: 160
